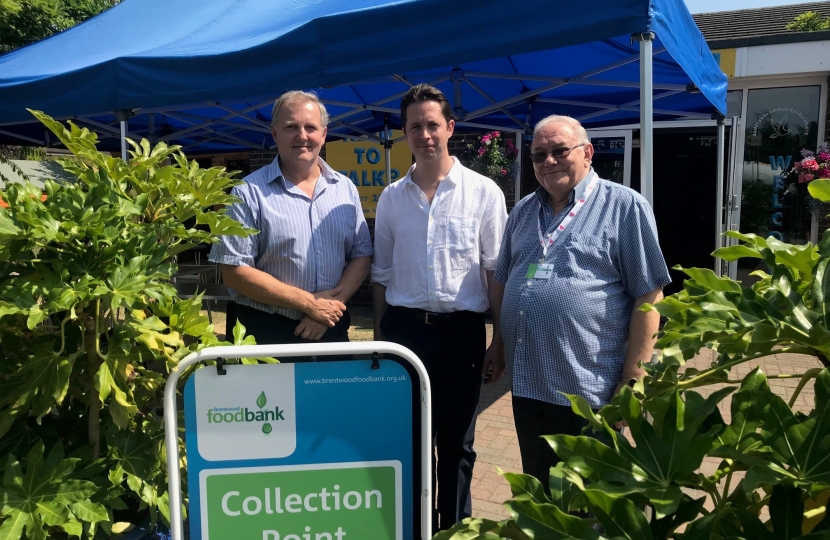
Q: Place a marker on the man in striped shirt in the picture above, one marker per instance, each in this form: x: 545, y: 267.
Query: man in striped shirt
x: 313, y: 249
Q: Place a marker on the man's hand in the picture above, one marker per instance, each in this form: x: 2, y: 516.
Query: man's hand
x: 310, y: 329
x: 494, y: 358
x: 324, y: 308
x: 638, y: 374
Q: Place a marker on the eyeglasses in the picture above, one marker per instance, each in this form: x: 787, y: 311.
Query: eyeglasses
x: 558, y: 153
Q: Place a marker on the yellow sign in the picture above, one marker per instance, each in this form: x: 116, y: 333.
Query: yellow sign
x: 726, y: 60
x: 364, y: 162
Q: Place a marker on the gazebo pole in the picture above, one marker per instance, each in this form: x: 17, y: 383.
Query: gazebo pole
x: 122, y: 116
x: 646, y: 40
x: 387, y: 149
x: 719, y: 193
x: 517, y: 195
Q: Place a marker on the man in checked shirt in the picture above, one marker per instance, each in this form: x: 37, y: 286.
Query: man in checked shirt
x: 578, y: 258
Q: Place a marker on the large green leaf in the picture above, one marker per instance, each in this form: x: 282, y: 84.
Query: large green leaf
x: 619, y: 516
x: 786, y: 511
x: 813, y: 456
x: 548, y: 522
x: 40, y: 494
x: 820, y: 189
x: 482, y: 529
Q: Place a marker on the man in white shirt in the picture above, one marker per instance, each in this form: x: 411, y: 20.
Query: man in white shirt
x: 437, y: 237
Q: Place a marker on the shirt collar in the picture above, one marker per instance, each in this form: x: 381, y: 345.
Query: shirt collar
x: 576, y: 193
x: 330, y: 175
x: 454, y: 175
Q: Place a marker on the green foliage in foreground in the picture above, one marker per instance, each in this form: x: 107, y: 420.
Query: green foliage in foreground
x: 89, y: 326
x: 772, y: 460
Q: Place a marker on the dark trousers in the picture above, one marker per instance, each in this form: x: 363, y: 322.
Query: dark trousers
x: 271, y: 328
x: 452, y: 352
x: 535, y: 418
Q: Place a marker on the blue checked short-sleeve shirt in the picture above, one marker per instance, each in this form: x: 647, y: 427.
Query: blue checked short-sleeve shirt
x: 569, y: 333
x: 302, y: 242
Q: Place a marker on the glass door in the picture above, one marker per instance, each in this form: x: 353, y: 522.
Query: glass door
x: 612, y: 154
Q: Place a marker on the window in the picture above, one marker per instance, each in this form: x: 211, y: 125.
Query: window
x: 780, y: 122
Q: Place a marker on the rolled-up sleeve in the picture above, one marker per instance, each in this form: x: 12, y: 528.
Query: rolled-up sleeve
x: 384, y: 243
x: 492, y: 230
x: 642, y: 267
x: 236, y: 250
x: 362, y: 243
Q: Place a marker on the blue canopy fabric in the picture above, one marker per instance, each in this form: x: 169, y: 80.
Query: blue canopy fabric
x: 204, y: 74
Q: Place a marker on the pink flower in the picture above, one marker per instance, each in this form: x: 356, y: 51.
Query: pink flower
x: 496, y: 133
x: 808, y: 177
x: 481, y: 151
x: 824, y: 172
x: 809, y: 163
x: 504, y: 171
x: 485, y: 138
x: 801, y: 178
x: 823, y: 156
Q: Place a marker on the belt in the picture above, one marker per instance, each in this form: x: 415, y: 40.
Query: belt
x: 431, y: 317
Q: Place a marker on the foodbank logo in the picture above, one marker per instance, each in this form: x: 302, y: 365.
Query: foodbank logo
x: 229, y: 415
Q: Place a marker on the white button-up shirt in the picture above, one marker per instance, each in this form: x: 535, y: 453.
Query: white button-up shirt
x: 433, y: 257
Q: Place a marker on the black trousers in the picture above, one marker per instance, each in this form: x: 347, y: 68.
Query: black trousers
x: 535, y: 418
x: 271, y: 328
x: 452, y: 352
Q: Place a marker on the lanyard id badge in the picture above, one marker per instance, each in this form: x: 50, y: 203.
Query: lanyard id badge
x: 545, y: 271
x: 539, y: 271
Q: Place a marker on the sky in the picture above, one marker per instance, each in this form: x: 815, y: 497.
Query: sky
x: 704, y: 6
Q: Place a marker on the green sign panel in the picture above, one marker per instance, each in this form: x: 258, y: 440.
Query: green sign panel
x: 338, y: 501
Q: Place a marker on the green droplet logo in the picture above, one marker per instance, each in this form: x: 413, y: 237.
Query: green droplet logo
x: 261, y: 401
x: 266, y: 428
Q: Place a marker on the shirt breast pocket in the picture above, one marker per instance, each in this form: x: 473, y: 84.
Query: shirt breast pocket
x: 587, y: 257
x: 461, y: 243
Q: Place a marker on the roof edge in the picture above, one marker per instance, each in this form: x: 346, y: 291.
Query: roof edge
x: 772, y: 39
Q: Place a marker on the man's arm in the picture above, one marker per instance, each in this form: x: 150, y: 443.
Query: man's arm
x: 641, y: 337
x: 353, y: 275
x: 494, y: 357
x: 379, y: 307
x: 266, y: 289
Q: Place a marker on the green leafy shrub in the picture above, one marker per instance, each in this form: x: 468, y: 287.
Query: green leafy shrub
x: 809, y: 22
x: 773, y: 461
x: 89, y: 325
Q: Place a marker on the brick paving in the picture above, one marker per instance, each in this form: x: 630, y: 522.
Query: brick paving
x: 497, y: 445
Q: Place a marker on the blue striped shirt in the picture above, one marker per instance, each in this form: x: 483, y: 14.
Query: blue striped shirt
x: 569, y: 333
x: 303, y: 242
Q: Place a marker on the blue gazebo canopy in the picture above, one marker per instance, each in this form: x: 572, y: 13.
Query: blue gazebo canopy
x: 204, y: 74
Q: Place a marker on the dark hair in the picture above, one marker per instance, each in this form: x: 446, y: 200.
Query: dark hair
x: 421, y: 93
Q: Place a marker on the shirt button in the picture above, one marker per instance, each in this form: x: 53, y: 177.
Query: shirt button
x: 431, y: 293
x: 430, y: 267
x: 520, y: 340
x: 430, y: 218
x: 521, y: 313
x: 430, y: 242
x: 528, y: 283
x: 541, y: 260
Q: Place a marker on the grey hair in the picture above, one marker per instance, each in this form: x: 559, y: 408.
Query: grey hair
x: 579, y: 131
x: 299, y: 95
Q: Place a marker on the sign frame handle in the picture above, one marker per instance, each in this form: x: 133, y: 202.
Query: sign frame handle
x: 171, y: 428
